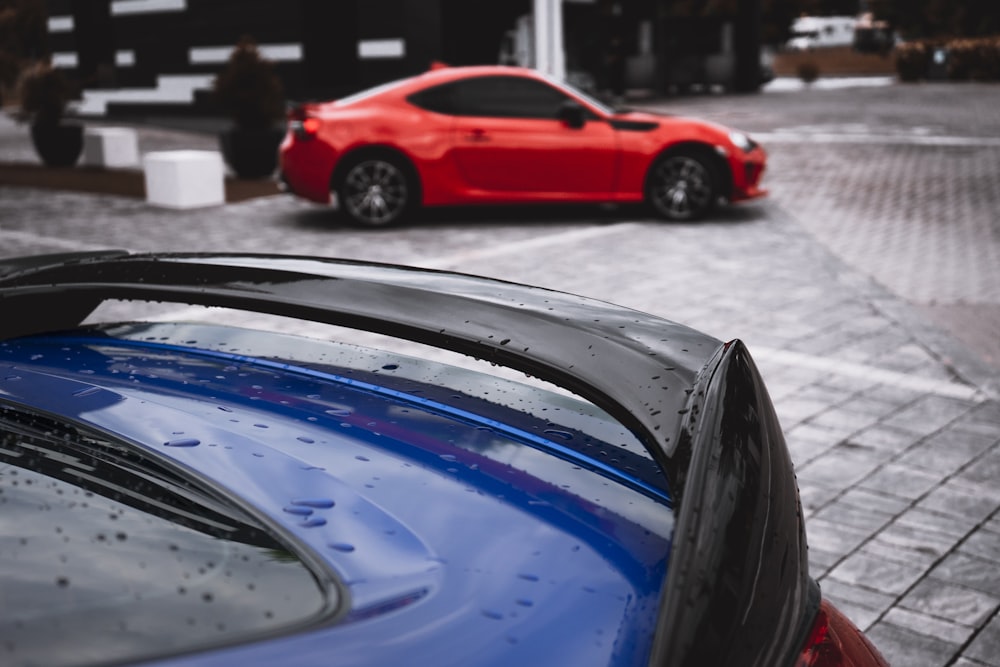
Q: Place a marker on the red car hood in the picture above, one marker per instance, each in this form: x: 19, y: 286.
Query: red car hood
x: 667, y: 120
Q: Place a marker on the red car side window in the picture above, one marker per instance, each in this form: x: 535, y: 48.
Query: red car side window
x: 493, y: 96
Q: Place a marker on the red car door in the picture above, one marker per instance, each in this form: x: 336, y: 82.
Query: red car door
x: 508, y: 138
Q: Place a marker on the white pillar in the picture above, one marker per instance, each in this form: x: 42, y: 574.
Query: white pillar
x: 550, y: 57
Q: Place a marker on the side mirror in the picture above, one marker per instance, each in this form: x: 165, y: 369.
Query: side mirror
x: 571, y: 113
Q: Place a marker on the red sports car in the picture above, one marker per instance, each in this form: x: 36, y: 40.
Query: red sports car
x: 507, y: 135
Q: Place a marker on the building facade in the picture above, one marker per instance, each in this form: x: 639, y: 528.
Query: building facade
x: 165, y: 53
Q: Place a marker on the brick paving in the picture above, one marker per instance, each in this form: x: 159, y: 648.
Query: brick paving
x: 882, y: 212
x: 901, y: 182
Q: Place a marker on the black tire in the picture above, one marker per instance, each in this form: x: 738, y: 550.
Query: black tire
x: 376, y: 190
x: 682, y: 185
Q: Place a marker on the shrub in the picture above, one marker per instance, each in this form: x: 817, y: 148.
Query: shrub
x: 808, y: 71
x: 9, y: 69
x: 44, y: 93
x: 967, y: 58
x: 913, y: 59
x: 989, y: 60
x: 977, y: 59
x: 248, y: 89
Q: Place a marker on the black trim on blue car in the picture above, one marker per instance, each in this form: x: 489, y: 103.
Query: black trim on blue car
x: 738, y: 590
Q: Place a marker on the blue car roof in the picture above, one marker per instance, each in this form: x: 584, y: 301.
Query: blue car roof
x: 440, y: 513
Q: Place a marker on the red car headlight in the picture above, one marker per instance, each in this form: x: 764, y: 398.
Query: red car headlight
x: 742, y: 141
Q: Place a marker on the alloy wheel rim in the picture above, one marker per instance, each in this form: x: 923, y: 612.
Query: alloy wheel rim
x: 375, y: 192
x: 683, y: 188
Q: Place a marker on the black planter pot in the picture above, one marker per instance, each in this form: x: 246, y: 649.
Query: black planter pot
x: 251, y: 153
x: 57, y: 145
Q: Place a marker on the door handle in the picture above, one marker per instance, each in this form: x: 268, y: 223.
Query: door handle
x: 477, y: 135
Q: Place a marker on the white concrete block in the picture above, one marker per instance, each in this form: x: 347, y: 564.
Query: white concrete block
x: 184, y: 179
x: 111, y: 147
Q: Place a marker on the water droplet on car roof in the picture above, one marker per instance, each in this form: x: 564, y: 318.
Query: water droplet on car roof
x: 318, y: 503
x: 313, y: 522
x: 182, y: 442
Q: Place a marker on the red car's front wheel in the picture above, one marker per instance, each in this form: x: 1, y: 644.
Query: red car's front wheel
x: 682, y: 186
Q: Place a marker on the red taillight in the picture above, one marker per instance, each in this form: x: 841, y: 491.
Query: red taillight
x: 301, y: 123
x: 310, y: 126
x: 835, y: 642
x: 820, y: 650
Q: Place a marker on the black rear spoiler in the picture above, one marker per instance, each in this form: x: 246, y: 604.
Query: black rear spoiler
x: 738, y: 576
x: 633, y: 365
x: 738, y: 591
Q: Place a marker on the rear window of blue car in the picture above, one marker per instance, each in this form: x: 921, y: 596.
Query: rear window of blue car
x: 107, y: 555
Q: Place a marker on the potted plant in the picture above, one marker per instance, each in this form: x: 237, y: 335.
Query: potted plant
x: 44, y: 94
x: 249, y: 91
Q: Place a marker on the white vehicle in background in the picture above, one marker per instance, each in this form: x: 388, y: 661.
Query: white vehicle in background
x: 813, y: 32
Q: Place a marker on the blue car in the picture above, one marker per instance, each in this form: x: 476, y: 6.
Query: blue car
x: 178, y: 493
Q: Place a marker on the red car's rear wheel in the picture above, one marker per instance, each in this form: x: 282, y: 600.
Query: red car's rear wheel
x: 376, y: 190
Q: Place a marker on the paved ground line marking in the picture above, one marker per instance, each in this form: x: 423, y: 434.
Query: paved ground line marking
x: 456, y: 259
x: 558, y: 238
x: 28, y: 237
x: 926, y: 385
x: 894, y: 378
x: 903, y: 140
x: 794, y: 83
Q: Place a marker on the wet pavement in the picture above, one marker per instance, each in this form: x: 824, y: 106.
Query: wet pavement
x: 867, y: 287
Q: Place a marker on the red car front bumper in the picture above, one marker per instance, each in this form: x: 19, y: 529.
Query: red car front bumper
x: 748, y: 171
